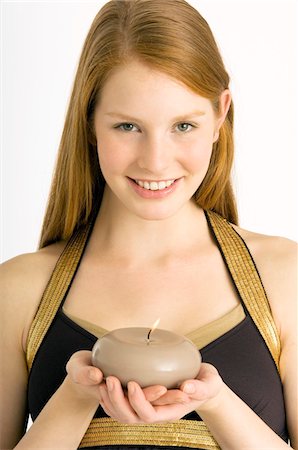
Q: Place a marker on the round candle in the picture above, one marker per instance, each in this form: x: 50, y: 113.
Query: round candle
x: 149, y: 358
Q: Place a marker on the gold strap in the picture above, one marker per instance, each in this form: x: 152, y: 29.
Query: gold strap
x: 181, y: 433
x: 247, y: 280
x: 55, y: 291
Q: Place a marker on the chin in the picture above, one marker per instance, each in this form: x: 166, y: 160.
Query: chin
x: 156, y: 214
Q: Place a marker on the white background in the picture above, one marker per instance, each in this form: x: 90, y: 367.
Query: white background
x: 41, y: 44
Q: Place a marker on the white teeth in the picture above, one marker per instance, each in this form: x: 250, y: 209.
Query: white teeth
x: 154, y: 185
x: 161, y: 185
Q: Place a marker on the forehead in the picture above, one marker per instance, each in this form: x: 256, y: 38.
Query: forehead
x: 135, y: 84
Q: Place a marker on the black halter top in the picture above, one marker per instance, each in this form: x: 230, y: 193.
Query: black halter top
x: 246, y: 356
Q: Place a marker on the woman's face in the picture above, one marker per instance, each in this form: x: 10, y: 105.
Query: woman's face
x: 154, y: 138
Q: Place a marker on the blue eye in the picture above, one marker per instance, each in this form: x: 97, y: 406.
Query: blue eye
x: 127, y: 127
x: 184, y: 127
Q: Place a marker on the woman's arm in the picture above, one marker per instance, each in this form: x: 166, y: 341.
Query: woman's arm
x: 13, y: 375
x: 276, y: 259
x: 13, y: 388
x: 235, y: 426
x: 64, y: 420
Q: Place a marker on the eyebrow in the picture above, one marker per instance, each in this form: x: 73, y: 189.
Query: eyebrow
x: 122, y: 116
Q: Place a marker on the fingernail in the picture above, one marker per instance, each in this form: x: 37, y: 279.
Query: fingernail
x: 132, y: 388
x: 110, y: 384
x: 189, y: 388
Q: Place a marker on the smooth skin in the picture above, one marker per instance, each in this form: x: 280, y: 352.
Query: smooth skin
x: 162, y: 251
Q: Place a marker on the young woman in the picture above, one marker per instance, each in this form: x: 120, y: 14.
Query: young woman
x: 142, y: 223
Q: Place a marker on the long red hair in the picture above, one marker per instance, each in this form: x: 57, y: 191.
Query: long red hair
x: 170, y: 36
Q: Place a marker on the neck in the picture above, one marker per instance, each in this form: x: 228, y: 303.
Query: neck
x: 123, y: 235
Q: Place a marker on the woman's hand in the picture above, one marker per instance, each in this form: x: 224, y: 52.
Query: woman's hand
x: 139, y: 405
x: 84, y: 379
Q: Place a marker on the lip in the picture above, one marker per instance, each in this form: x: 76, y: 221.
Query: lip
x: 148, y: 194
x: 153, y: 181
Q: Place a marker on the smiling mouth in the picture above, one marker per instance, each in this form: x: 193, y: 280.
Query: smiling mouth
x: 154, y: 185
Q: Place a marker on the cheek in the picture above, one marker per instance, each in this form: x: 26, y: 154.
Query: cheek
x: 197, y: 154
x: 113, y: 156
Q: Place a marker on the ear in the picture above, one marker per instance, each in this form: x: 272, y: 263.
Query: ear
x: 224, y: 105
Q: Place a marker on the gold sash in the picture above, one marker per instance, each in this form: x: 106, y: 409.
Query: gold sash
x: 181, y: 433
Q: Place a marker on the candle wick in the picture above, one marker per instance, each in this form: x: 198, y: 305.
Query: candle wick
x: 148, y: 337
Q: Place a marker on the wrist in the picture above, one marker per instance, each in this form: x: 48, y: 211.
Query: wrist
x: 78, y: 395
x: 214, y: 403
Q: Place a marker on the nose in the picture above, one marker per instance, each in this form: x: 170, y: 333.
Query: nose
x: 154, y: 155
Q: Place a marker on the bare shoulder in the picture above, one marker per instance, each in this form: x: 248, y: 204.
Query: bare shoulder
x: 276, y: 261
x: 23, y: 280
x: 26, y: 272
x: 270, y: 250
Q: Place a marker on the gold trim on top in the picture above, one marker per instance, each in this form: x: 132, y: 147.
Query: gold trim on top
x: 247, y: 281
x: 181, y: 433
x: 200, y: 337
x: 55, y: 291
x: 214, y: 330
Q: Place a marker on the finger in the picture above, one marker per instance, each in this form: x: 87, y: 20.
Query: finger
x: 84, y: 356
x: 152, y: 393
x: 207, y: 384
x: 169, y: 413
x: 104, y: 400
x: 141, y: 406
x: 173, y: 396
x: 80, y: 369
x: 153, y: 415
x: 206, y: 371
x: 117, y: 402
